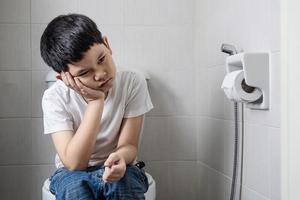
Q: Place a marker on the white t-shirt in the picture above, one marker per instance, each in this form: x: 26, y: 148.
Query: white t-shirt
x: 63, y: 109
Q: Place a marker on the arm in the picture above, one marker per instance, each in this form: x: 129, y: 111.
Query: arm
x: 75, y: 150
x: 126, y: 151
x: 129, y: 138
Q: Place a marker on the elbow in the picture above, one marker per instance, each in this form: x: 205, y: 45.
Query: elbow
x: 76, y: 166
x: 73, y: 163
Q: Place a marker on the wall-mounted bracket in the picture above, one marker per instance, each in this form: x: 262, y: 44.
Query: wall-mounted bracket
x: 256, y: 72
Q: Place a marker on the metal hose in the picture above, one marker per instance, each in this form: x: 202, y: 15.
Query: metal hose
x: 235, y: 156
x: 236, y: 153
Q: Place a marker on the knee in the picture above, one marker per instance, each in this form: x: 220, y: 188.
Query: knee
x: 74, y: 186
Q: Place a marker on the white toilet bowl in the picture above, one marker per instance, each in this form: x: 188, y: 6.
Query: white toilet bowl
x: 149, y: 195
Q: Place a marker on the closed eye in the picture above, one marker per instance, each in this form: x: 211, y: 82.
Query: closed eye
x: 83, y: 73
x: 101, y: 60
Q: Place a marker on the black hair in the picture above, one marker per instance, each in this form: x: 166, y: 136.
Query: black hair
x: 66, y: 38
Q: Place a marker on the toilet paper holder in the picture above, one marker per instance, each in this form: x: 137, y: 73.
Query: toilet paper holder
x: 256, y: 71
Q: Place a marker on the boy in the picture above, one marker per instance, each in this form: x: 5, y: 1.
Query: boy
x: 93, y: 113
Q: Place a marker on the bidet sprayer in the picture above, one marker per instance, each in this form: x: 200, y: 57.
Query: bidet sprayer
x: 229, y: 49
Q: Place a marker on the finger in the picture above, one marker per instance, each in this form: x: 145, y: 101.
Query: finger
x: 71, y: 81
x: 91, y: 92
x: 64, y: 78
x: 108, y: 163
x: 106, y: 174
x: 112, y: 174
x: 75, y: 84
x: 79, y: 83
x: 82, y: 88
x: 116, y: 169
x: 113, y: 177
x: 110, y: 160
x: 111, y: 180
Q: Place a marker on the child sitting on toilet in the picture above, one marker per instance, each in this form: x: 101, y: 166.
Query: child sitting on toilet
x: 93, y: 113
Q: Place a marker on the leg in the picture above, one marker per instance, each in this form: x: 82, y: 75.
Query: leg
x: 70, y: 185
x: 131, y: 187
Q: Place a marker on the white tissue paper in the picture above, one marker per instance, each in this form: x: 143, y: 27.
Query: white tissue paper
x: 232, y: 86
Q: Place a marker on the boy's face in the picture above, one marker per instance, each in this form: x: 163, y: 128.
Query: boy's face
x: 96, y: 69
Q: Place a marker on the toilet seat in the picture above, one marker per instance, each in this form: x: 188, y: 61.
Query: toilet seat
x: 150, y: 179
x: 149, y: 195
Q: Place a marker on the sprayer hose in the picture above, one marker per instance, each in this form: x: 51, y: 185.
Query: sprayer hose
x: 235, y: 156
x: 236, y: 153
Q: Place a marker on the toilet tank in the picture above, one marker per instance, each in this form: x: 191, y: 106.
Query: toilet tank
x: 50, y: 78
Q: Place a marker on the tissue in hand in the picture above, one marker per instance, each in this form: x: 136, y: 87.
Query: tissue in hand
x: 232, y: 86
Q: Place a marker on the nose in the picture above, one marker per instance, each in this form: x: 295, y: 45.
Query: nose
x: 100, y: 76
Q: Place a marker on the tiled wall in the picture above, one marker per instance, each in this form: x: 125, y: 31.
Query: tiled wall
x: 26, y: 156
x: 250, y: 26
x: 290, y: 48
x: 188, y: 137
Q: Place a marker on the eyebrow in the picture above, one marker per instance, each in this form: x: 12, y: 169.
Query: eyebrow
x: 83, y: 70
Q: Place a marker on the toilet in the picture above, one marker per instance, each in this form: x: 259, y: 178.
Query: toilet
x: 47, y: 195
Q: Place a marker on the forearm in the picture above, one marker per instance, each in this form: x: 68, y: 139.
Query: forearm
x: 128, y: 152
x: 80, y: 147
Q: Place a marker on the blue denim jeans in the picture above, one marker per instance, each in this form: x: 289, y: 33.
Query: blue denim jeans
x: 83, y: 185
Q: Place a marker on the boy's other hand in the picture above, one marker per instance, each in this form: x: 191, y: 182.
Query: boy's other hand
x: 115, y: 167
x: 74, y: 83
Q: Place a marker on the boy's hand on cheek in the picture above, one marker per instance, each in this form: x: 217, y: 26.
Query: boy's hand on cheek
x: 69, y: 81
x: 74, y: 83
x: 115, y: 167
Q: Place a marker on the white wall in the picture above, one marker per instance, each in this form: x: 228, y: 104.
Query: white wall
x: 188, y: 138
x: 251, y: 25
x: 290, y: 139
x: 24, y: 151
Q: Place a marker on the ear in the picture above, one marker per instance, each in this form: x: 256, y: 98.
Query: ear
x: 58, y: 76
x: 105, y: 42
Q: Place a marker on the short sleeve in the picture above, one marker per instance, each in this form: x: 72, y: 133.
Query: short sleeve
x: 138, y: 101
x: 55, y: 116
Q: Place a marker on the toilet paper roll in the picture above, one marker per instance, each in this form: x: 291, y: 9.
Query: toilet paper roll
x: 232, y: 86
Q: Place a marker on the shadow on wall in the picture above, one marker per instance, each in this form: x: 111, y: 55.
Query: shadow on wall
x: 169, y: 142
x: 163, y: 99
